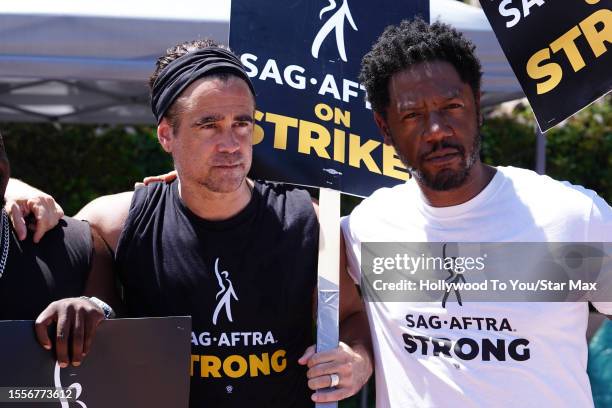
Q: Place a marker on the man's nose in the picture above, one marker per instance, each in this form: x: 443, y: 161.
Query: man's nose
x: 228, y: 142
x: 436, y: 127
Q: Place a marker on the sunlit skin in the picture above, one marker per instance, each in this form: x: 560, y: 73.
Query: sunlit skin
x: 212, y: 146
x: 432, y: 120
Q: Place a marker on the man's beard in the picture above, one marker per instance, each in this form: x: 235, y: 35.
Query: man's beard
x: 225, y: 181
x: 445, y: 179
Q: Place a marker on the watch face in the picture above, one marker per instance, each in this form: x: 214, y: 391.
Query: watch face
x: 106, y: 309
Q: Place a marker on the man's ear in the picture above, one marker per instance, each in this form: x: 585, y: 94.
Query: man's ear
x: 381, y: 123
x: 165, y: 135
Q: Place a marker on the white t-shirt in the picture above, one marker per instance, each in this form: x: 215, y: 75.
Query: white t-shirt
x: 543, y: 357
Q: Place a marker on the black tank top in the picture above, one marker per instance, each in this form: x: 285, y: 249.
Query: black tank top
x: 247, y: 282
x: 38, y: 274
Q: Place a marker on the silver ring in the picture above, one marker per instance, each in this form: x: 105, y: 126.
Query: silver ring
x: 335, y: 380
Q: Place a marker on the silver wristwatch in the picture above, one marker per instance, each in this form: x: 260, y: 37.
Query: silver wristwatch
x: 109, y: 313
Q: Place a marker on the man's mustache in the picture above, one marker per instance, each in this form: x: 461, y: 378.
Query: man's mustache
x: 443, y: 144
x: 227, y: 159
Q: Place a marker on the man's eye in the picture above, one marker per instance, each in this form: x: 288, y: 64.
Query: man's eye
x: 453, y: 106
x: 411, y: 115
x: 242, y: 124
x: 211, y: 125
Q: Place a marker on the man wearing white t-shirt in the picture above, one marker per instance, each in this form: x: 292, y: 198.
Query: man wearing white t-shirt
x: 424, y: 86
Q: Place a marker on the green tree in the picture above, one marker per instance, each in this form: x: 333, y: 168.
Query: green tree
x: 579, y: 150
x: 77, y: 163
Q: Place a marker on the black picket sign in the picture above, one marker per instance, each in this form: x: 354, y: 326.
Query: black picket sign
x: 559, y: 51
x: 314, y: 125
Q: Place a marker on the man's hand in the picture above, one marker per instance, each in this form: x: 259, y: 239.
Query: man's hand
x: 23, y: 201
x: 351, y: 368
x: 166, y: 178
x: 77, y: 320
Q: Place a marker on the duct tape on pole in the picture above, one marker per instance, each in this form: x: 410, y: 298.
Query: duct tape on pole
x: 328, y: 289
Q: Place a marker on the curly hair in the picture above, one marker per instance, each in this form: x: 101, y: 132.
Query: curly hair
x: 410, y: 43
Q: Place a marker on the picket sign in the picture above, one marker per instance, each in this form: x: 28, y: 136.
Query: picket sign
x: 328, y: 288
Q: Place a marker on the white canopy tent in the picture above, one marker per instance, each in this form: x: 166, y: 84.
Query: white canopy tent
x: 88, y: 62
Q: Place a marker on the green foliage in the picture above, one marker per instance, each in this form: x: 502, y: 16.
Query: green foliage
x: 579, y: 150
x: 507, y: 142
x: 77, y: 163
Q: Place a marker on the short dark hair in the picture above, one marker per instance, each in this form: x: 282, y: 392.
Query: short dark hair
x: 410, y: 43
x: 172, y: 54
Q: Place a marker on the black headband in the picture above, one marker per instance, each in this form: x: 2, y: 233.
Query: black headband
x: 181, y: 72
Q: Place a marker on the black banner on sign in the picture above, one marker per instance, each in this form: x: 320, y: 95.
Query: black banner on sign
x: 560, y: 51
x: 132, y: 363
x: 313, y: 125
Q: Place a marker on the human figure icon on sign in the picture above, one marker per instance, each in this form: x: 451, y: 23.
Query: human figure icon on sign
x: 75, y: 388
x: 454, y: 278
x: 224, y: 295
x: 335, y: 22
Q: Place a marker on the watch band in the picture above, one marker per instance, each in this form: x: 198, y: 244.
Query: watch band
x: 108, y: 311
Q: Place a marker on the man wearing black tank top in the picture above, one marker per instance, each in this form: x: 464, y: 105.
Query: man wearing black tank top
x: 37, y: 270
x: 238, y: 256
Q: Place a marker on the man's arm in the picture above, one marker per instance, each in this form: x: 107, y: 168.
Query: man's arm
x: 352, y: 360
x: 78, y: 318
x: 101, y: 279
x: 599, y: 228
x: 107, y: 215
